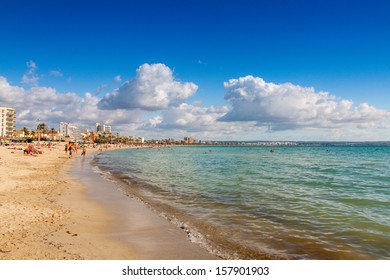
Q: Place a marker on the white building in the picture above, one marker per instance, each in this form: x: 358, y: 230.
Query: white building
x: 69, y: 130
x: 102, y: 128
x: 99, y: 127
x: 64, y: 129
x: 7, y: 121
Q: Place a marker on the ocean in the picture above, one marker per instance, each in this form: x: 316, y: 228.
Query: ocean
x: 245, y: 202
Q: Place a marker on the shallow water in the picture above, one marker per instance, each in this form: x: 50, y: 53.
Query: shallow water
x: 245, y: 202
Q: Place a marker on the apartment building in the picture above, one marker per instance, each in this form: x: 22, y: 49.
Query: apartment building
x: 189, y: 140
x: 7, y: 121
x: 102, y: 128
x: 69, y: 130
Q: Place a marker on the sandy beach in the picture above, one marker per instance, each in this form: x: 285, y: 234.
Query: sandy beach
x: 53, y: 207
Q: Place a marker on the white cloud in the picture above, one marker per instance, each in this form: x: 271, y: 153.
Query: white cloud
x: 30, y: 76
x: 154, y: 88
x: 31, y: 64
x: 288, y: 106
x: 52, y: 107
x: 154, y: 122
x: 117, y: 78
x: 56, y: 73
x: 101, y: 88
x: 9, y: 95
x: 192, y: 118
x: 154, y: 103
x: 197, y: 121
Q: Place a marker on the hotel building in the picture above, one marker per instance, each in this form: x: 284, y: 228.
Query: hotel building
x: 7, y: 121
x: 189, y: 140
x: 102, y: 128
x: 69, y: 130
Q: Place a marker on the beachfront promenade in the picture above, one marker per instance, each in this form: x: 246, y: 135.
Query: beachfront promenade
x: 46, y: 213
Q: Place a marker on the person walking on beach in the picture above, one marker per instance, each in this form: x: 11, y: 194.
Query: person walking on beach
x: 84, y: 152
x: 70, y: 151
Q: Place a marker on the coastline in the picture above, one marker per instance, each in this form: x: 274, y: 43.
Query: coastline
x: 52, y: 207
x: 248, y: 203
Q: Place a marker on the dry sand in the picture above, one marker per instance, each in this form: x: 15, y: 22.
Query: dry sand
x: 45, y: 213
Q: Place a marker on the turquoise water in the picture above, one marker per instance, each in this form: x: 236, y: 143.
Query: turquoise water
x: 249, y: 203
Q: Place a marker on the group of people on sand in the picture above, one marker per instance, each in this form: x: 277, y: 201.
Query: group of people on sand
x: 30, y: 150
x: 72, y: 148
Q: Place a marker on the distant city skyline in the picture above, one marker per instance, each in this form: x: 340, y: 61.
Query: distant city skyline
x: 213, y: 70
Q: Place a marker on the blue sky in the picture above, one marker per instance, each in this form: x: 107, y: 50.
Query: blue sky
x: 293, y: 50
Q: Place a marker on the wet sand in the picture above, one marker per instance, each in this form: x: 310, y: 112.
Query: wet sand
x: 148, y: 235
x: 52, y: 207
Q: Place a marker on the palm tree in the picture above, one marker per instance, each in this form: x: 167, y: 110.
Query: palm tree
x: 26, y: 132
x: 43, y: 127
x: 52, y: 133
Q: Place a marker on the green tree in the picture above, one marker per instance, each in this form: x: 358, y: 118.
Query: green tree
x: 26, y: 132
x: 52, y: 133
x: 43, y: 127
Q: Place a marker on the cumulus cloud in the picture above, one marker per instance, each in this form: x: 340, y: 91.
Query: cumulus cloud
x: 30, y: 77
x: 154, y: 88
x: 156, y: 103
x: 289, y: 106
x: 190, y: 117
x: 197, y: 121
x: 10, y: 95
x: 52, y: 107
x: 118, y: 78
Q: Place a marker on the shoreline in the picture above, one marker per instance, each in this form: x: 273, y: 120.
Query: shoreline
x: 53, y: 208
x: 248, y: 217
x: 149, y: 235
